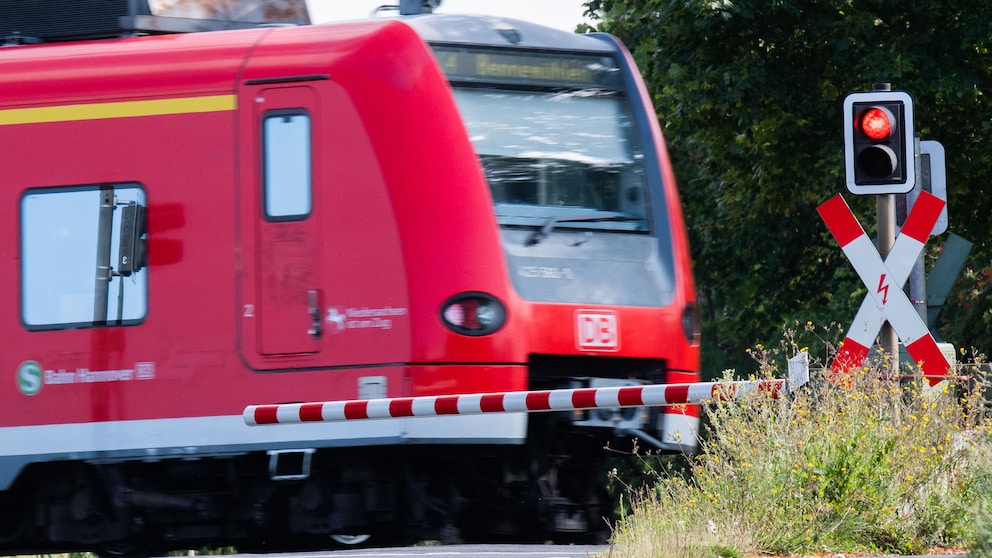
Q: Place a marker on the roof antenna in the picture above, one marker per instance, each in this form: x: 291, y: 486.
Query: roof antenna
x: 413, y: 7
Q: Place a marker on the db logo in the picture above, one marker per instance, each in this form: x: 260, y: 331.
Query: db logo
x: 597, y: 330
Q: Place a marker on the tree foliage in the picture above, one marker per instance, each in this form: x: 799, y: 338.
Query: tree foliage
x: 750, y: 96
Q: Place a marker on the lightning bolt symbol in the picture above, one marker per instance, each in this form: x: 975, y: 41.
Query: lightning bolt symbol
x: 883, y: 288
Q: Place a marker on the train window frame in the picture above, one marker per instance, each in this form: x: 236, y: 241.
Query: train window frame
x: 59, y: 259
x: 287, y: 170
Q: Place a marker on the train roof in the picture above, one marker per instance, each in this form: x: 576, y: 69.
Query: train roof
x: 169, y: 64
x: 193, y: 63
x: 482, y: 30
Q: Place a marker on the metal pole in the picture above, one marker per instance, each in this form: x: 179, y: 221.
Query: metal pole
x: 885, y: 213
x: 104, y: 233
x: 917, y: 277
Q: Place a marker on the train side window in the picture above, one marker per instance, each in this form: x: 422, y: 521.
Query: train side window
x: 286, y: 163
x: 72, y: 235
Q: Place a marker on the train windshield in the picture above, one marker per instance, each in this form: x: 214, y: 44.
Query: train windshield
x: 555, y: 136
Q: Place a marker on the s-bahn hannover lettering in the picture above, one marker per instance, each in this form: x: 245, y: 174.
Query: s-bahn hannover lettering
x: 31, y: 377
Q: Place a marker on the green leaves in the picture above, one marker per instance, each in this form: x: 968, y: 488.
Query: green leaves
x: 749, y: 93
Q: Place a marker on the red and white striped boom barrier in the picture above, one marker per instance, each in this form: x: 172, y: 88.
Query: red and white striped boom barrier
x: 525, y: 401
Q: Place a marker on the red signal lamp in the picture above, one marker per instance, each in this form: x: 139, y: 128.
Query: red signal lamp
x: 876, y: 123
x: 879, y: 147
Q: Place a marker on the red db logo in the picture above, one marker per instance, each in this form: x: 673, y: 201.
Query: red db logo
x: 597, y: 330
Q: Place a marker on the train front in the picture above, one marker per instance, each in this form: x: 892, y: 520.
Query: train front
x: 589, y: 221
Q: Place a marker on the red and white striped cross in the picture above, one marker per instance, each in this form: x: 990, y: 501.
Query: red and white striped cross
x: 886, y: 300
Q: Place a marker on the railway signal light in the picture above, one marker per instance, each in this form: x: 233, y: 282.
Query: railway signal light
x: 879, y: 148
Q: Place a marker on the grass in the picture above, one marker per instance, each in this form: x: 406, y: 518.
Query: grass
x: 853, y: 464
x: 980, y: 541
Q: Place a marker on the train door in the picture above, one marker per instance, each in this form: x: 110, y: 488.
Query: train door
x: 281, y: 217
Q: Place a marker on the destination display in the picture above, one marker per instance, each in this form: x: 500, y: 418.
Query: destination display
x: 536, y: 68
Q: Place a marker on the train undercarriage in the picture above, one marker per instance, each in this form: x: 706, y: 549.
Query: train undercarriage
x: 310, y: 499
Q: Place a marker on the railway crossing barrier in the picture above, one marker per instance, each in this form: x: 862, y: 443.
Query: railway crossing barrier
x: 527, y: 401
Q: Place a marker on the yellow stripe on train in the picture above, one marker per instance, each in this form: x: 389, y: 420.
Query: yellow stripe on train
x: 121, y: 109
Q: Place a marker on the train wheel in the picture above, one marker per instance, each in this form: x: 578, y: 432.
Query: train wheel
x: 350, y: 540
x: 134, y: 546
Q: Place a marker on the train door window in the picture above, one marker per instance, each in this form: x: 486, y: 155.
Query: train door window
x: 83, y: 256
x: 286, y: 145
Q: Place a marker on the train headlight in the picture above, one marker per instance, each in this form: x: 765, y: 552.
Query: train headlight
x: 473, y: 313
x: 691, y: 323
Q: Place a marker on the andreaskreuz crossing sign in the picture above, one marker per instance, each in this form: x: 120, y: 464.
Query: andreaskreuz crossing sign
x: 886, y: 300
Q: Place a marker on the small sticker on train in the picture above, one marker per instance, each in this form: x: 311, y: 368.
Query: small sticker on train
x: 341, y: 318
x: 546, y: 272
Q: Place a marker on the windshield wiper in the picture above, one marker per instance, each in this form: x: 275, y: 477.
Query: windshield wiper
x: 551, y: 222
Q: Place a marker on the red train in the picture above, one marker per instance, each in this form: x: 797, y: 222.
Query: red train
x: 427, y: 204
